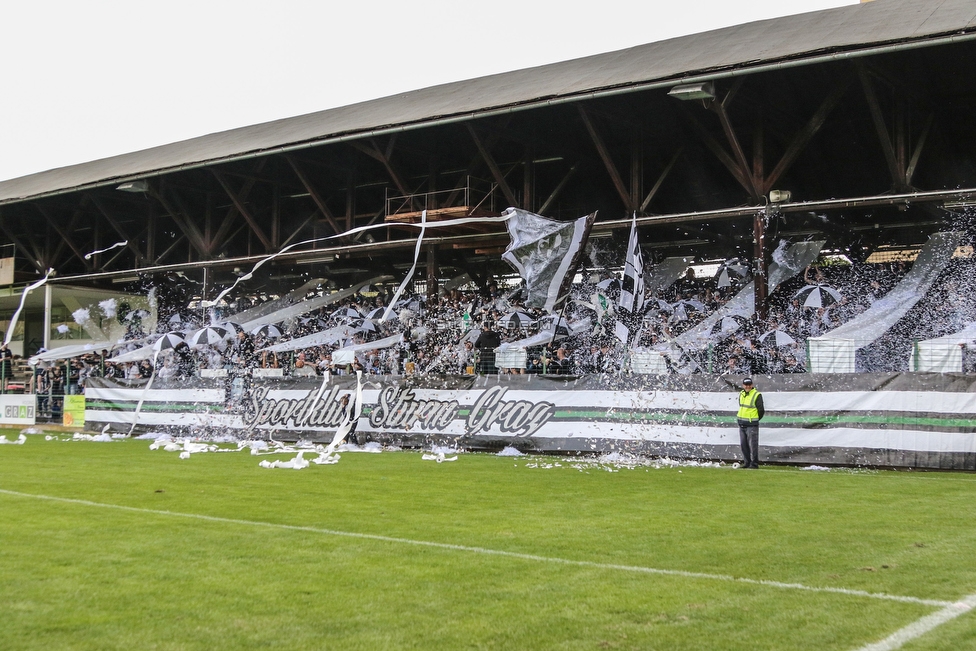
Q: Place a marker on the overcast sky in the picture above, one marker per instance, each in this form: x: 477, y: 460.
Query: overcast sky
x: 86, y: 80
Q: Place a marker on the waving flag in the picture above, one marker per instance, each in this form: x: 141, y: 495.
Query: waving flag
x: 631, y: 301
x: 545, y: 253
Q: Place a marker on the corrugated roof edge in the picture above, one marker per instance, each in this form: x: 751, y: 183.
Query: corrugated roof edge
x: 117, y: 169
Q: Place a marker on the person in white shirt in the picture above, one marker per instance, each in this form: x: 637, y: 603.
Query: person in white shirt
x: 168, y: 369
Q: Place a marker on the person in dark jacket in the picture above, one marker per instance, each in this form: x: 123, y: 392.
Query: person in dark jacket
x: 751, y: 411
x: 486, y: 344
x: 185, y: 364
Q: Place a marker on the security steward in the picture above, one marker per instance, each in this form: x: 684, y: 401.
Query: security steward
x: 750, y: 413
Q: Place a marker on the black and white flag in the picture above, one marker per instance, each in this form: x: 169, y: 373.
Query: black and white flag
x: 545, y: 253
x: 631, y: 302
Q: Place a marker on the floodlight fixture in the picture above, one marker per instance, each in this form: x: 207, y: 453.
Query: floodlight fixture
x: 959, y: 204
x: 780, y: 196
x: 319, y: 260
x: 141, y: 185
x: 702, y: 90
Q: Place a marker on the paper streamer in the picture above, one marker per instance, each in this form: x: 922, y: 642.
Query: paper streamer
x: 344, y: 429
x: 20, y: 308
x: 361, y: 229
x: 409, y: 276
x: 88, y: 256
x: 145, y: 390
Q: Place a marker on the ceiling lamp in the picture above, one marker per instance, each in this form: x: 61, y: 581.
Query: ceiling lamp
x: 134, y: 186
x: 703, y: 90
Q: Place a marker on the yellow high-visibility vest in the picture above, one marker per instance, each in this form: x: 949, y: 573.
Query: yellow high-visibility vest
x: 747, y: 405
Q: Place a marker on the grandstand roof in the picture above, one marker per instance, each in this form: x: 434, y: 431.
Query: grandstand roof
x: 794, y: 40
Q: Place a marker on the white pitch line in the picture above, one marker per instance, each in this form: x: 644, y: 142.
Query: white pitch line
x: 922, y: 626
x: 496, y: 552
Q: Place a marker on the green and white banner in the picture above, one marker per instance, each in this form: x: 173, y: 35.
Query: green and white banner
x: 914, y: 419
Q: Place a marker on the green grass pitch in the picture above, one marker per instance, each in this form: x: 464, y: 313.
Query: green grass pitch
x: 387, y: 551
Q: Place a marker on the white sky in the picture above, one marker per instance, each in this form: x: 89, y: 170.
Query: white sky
x: 88, y: 79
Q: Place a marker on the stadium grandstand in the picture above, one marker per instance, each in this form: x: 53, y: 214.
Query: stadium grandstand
x: 812, y: 176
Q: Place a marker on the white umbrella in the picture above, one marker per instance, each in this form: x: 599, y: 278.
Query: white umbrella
x: 378, y: 312
x: 724, y: 279
x: 609, y: 285
x: 267, y: 331
x: 346, y: 313
x: 778, y: 337
x: 557, y: 325
x: 681, y: 309
x: 818, y: 296
x: 167, y: 341
x: 515, y: 320
x: 363, y: 325
x: 728, y: 324
x: 414, y: 304
x: 210, y: 335
x: 690, y: 303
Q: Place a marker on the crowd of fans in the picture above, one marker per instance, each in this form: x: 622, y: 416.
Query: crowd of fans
x: 467, y: 332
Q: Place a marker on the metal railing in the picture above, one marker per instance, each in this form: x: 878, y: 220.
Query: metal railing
x: 475, y: 194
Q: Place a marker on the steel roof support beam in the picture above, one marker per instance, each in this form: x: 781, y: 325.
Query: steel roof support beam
x: 129, y: 243
x: 38, y: 264
x: 43, y: 256
x: 896, y: 171
x: 660, y: 180
x: 66, y: 239
x: 248, y: 217
x: 76, y: 216
x: 910, y: 170
x: 559, y: 188
x: 301, y: 227
x: 722, y: 155
x: 228, y: 220
x: 618, y: 182
x: 751, y: 184
x: 489, y: 141
x: 373, y: 151
x: 806, y: 134
x: 316, y: 197
x: 171, y: 247
x: 182, y: 219
x: 493, y: 166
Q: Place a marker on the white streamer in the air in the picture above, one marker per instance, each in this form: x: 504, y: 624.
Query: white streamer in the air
x: 88, y: 256
x: 409, y: 276
x: 20, y: 308
x: 361, y: 229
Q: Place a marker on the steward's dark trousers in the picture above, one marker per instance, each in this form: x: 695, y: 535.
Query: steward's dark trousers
x: 749, y: 439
